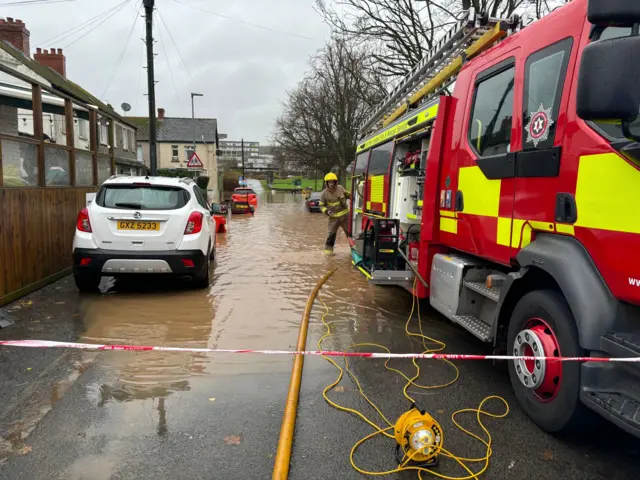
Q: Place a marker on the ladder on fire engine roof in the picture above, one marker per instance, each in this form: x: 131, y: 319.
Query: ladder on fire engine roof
x: 438, y: 69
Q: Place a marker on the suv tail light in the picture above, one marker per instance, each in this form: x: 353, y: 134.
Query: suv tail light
x: 83, y: 224
x: 194, y: 224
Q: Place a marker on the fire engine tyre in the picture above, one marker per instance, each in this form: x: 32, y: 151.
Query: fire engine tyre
x: 86, y: 283
x: 542, y: 320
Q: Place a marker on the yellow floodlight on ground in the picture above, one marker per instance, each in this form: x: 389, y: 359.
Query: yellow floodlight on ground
x: 419, y: 438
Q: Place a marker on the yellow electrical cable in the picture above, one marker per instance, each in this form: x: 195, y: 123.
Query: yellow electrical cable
x: 411, y: 381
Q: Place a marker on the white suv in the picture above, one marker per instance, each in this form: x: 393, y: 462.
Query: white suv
x: 144, y: 225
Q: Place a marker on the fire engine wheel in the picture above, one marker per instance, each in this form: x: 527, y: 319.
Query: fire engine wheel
x: 549, y: 392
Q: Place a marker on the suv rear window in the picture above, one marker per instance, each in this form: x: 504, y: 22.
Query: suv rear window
x: 245, y: 191
x: 142, y: 197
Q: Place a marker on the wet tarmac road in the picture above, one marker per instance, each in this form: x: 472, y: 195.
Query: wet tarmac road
x: 122, y: 415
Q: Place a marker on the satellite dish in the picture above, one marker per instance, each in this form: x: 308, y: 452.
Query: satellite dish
x: 126, y: 107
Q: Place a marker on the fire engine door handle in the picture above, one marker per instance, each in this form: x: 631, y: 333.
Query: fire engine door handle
x: 459, y: 201
x: 566, y: 209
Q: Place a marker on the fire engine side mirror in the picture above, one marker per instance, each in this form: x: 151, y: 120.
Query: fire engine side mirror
x: 608, y: 80
x: 613, y: 12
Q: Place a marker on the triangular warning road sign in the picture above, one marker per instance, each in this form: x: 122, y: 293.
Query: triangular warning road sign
x: 194, y: 161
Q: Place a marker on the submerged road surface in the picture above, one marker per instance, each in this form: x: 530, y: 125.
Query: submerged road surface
x: 155, y: 415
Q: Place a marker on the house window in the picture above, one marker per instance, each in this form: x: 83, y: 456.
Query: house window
x: 175, y: 153
x: 83, y: 128
x: 132, y: 139
x: 490, y: 126
x: 188, y: 151
x: 125, y: 138
x: 119, y: 137
x: 104, y: 134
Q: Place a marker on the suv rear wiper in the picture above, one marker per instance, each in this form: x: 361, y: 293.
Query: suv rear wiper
x: 129, y: 205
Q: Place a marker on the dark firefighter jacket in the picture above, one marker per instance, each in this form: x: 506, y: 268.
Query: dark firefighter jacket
x: 335, y: 201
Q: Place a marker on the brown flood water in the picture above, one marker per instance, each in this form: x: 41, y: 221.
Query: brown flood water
x: 267, y: 265
x: 191, y: 415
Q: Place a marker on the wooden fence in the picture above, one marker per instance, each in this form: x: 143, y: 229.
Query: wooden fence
x: 36, y: 235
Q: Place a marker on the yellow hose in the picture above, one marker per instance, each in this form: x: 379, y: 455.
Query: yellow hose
x: 283, y: 453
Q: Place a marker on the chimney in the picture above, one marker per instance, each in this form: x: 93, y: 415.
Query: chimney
x: 15, y: 32
x: 161, y: 114
x: 54, y: 60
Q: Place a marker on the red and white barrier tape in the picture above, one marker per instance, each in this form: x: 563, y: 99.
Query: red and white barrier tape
x: 427, y: 356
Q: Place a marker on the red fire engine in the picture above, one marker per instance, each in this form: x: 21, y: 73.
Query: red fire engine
x: 510, y: 203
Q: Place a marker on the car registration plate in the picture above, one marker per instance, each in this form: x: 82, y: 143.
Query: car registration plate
x: 137, y: 225
x: 241, y: 206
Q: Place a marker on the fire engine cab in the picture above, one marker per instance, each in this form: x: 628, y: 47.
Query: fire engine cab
x: 498, y: 180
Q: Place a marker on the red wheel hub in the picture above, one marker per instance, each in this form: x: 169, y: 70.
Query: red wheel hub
x: 541, y: 376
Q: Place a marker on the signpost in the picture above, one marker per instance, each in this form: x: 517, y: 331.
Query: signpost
x: 194, y: 161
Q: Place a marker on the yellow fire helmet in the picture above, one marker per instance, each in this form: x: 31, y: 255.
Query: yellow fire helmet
x: 330, y: 176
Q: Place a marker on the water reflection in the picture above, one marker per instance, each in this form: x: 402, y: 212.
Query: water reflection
x: 153, y: 313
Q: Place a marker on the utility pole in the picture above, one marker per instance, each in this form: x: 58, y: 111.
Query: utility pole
x: 193, y: 118
x: 242, y: 147
x: 151, y: 85
x: 193, y: 121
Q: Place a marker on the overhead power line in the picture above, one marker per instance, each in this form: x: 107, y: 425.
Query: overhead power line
x: 166, y: 57
x: 78, y: 28
x: 174, y: 43
x: 227, y: 17
x: 122, y: 53
x: 120, y: 7
x: 25, y: 3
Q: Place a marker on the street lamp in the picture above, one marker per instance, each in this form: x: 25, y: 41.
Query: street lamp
x: 193, y: 116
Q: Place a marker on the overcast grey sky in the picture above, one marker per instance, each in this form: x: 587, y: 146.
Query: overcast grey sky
x: 243, y: 71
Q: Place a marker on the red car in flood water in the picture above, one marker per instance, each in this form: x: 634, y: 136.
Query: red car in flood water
x: 219, y: 213
x: 244, y: 195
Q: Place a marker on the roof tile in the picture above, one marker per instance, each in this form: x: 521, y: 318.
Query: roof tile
x: 176, y: 129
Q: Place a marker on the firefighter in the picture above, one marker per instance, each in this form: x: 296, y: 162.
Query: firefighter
x: 333, y: 203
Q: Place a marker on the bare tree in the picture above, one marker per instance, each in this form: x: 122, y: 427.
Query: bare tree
x: 374, y: 40
x: 399, y: 33
x: 318, y: 127
x: 543, y: 7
